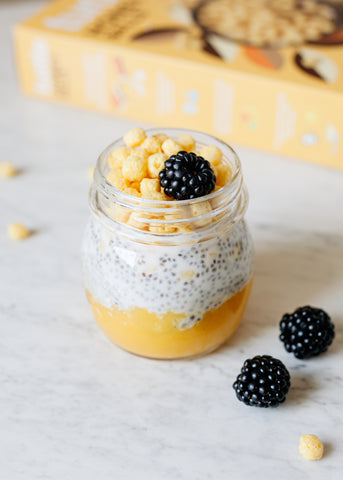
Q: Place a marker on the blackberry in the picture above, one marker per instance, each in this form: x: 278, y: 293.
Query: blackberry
x: 307, y: 332
x: 185, y: 175
x: 263, y: 382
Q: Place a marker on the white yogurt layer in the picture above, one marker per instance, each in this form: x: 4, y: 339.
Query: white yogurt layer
x: 188, y: 279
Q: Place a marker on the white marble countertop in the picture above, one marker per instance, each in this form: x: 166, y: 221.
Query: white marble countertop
x: 72, y: 405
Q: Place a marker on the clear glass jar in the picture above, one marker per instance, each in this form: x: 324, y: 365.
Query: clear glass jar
x: 168, y: 279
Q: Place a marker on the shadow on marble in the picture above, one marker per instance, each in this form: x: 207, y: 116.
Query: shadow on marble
x: 328, y: 449
x: 337, y: 344
x: 36, y: 231
x: 303, y: 386
x: 287, y: 277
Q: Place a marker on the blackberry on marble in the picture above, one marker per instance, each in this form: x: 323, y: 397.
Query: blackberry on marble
x: 186, y: 176
x: 307, y: 332
x: 264, y: 382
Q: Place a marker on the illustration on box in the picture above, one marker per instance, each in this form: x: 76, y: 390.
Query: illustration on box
x: 258, y: 29
x: 126, y: 83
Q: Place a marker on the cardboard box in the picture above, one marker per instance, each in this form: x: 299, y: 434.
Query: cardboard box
x: 270, y: 84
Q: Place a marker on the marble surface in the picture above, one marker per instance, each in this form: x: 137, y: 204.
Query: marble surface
x: 72, y: 405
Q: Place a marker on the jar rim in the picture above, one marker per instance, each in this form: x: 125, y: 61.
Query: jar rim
x: 102, y: 182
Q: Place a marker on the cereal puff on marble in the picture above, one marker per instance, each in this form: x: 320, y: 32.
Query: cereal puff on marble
x: 18, y: 231
x: 311, y: 447
x: 7, y: 170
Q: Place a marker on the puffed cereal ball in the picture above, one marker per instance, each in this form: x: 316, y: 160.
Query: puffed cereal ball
x: 187, y: 142
x: 160, y: 137
x: 7, y: 170
x: 132, y: 191
x: 157, y: 196
x: 223, y: 174
x: 162, y: 228
x: 149, y: 185
x: 118, y: 156
x: 134, y: 168
x: 199, y: 209
x: 121, y: 214
x: 151, y: 145
x: 170, y: 147
x: 141, y: 152
x: 116, y: 178
x: 156, y: 164
x: 137, y: 220
x: 136, y: 185
x: 134, y: 137
x: 212, y: 154
x: 311, y: 447
x: 18, y: 231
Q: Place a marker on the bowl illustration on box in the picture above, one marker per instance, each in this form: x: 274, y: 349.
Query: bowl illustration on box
x: 268, y: 23
x: 258, y: 29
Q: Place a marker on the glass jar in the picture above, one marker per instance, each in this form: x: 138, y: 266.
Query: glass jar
x: 168, y: 279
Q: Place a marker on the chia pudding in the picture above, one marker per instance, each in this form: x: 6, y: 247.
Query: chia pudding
x: 168, y: 269
x: 188, y: 279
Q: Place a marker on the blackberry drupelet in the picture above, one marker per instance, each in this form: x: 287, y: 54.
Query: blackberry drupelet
x: 263, y: 382
x: 307, y: 332
x: 185, y: 176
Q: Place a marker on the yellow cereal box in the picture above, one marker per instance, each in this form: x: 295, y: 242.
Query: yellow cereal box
x: 263, y: 73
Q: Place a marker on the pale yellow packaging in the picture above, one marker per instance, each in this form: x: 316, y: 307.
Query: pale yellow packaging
x: 178, y: 63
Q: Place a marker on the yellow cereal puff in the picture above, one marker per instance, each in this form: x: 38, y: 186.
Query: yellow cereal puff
x: 136, y: 185
x: 212, y: 154
x: 215, y: 171
x: 17, y: 231
x: 311, y: 447
x: 187, y: 142
x: 151, y: 145
x: 7, y: 170
x: 160, y: 137
x: 173, y: 216
x: 223, y: 174
x: 132, y: 191
x: 136, y: 220
x: 183, y: 228
x: 121, y: 214
x: 141, y: 152
x: 134, y: 168
x: 156, y: 164
x: 90, y: 173
x: 115, y: 177
x: 134, y: 137
x: 170, y: 147
x: 199, y: 209
x: 162, y: 228
x: 158, y: 196
x: 118, y: 156
x: 149, y: 185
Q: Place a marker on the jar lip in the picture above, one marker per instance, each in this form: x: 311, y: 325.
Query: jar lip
x: 101, y: 181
